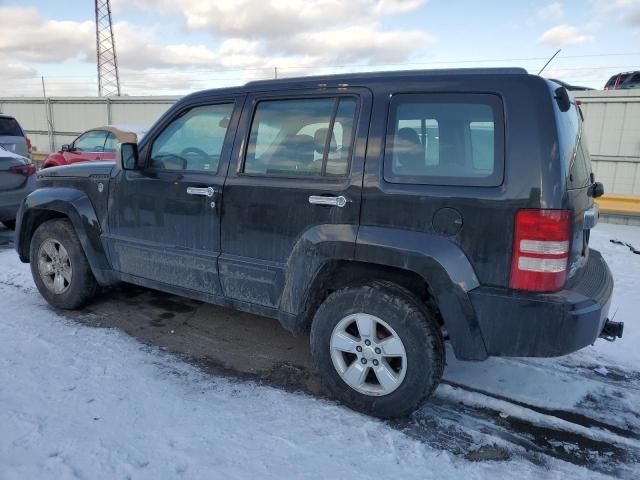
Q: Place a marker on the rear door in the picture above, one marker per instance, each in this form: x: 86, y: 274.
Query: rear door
x: 297, y: 172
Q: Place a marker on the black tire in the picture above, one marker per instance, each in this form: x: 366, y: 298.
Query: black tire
x: 10, y: 224
x: 83, y: 285
x: 412, y: 322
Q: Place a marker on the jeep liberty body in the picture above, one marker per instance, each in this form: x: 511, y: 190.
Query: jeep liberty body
x: 384, y: 213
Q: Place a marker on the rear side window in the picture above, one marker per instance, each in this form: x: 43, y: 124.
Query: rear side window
x: 445, y: 139
x: 305, y: 137
x: 9, y: 127
x: 580, y: 167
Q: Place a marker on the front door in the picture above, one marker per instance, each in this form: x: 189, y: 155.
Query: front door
x: 296, y: 174
x: 164, y: 220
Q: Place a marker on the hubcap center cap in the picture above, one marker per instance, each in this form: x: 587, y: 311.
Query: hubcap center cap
x: 369, y: 353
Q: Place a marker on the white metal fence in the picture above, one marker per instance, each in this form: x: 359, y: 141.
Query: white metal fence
x: 612, y: 126
x: 54, y: 121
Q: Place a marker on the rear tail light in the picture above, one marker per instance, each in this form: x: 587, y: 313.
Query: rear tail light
x: 29, y: 146
x: 541, y: 250
x: 25, y: 170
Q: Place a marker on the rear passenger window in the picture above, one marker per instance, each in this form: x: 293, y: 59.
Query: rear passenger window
x: 451, y: 139
x: 309, y: 137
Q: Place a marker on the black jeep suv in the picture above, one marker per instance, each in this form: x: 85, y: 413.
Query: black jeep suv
x: 384, y: 213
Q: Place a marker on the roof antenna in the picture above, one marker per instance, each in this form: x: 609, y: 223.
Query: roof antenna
x: 549, y: 61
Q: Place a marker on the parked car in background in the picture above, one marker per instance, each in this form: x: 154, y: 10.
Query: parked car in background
x: 12, y: 137
x: 96, y: 144
x: 623, y: 81
x: 573, y: 88
x: 17, y: 180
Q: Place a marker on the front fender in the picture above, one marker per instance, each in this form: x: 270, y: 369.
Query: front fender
x: 77, y: 207
x: 444, y: 267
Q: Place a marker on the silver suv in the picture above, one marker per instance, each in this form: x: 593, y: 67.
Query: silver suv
x: 12, y: 137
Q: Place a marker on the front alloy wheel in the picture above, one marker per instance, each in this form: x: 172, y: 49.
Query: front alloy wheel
x: 59, y: 266
x: 54, y: 266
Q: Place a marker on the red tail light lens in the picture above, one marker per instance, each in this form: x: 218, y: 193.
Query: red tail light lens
x: 541, y: 250
x: 26, y: 170
x: 29, y: 146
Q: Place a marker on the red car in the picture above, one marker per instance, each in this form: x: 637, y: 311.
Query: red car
x: 95, y: 144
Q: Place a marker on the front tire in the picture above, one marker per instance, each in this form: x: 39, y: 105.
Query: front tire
x: 378, y: 349
x: 59, y: 266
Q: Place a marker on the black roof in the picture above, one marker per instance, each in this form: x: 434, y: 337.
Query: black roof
x: 348, y: 78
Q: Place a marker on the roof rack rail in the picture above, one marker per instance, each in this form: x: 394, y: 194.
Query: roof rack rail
x: 396, y: 73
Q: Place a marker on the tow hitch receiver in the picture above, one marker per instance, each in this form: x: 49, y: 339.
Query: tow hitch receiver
x: 612, y: 330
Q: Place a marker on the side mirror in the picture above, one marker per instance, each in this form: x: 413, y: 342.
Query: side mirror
x: 65, y: 148
x: 129, y: 156
x: 597, y: 189
x: 563, y: 99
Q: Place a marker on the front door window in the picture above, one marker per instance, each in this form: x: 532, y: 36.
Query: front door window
x: 193, y: 141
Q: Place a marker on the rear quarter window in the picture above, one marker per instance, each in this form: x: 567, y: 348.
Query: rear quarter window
x: 574, y: 152
x: 9, y: 127
x: 445, y: 139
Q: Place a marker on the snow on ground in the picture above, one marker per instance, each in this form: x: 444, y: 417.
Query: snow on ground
x: 552, y: 382
x: 80, y: 402
x: 625, y: 306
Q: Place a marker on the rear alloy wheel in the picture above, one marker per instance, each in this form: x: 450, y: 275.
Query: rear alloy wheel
x: 377, y: 348
x: 368, y: 354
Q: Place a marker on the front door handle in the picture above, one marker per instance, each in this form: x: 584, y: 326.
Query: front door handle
x: 340, y: 201
x: 204, y: 191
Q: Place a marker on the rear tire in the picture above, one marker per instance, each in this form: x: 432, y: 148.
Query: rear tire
x: 10, y: 224
x: 59, y: 266
x: 354, y: 362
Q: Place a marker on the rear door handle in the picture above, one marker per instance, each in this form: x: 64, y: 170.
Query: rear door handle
x: 340, y: 201
x: 203, y: 191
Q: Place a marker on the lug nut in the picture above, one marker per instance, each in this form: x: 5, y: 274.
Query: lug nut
x: 375, y: 362
x: 378, y: 351
x: 364, y: 361
x: 358, y: 348
x: 367, y: 342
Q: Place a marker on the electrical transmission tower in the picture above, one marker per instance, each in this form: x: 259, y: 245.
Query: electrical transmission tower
x: 108, y: 77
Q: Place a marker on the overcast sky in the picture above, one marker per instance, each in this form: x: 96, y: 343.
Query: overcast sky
x: 178, y: 46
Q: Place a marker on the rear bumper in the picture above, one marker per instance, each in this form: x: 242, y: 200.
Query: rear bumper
x: 527, y: 324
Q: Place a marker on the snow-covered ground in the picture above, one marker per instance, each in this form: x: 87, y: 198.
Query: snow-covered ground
x: 82, y: 402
